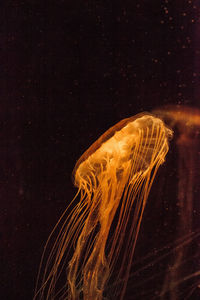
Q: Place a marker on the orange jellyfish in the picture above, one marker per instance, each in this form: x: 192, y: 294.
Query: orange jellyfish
x: 185, y: 261
x: 166, y: 263
x: 169, y: 266
x: 114, y: 177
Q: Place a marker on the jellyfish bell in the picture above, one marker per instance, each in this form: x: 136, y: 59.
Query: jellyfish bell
x: 186, y: 118
x: 115, y: 173
x: 115, y: 145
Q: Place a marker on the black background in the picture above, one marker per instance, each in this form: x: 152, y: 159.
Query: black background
x: 69, y: 71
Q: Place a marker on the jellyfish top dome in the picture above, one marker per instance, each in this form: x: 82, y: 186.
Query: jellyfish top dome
x: 114, y: 149
x: 180, y: 115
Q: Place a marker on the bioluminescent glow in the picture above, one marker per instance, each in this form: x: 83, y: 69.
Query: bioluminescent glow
x: 98, y: 231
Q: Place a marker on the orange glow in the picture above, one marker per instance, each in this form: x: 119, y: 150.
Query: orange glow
x: 186, y: 124
x: 185, y: 116
x: 114, y: 177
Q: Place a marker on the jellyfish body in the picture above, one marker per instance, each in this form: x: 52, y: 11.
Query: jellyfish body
x: 114, y: 177
x: 185, y: 122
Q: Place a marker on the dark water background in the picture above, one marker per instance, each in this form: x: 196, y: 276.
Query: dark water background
x: 69, y: 71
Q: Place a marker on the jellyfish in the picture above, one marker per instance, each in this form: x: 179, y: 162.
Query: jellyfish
x: 99, y: 229
x: 185, y: 121
x: 166, y: 266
